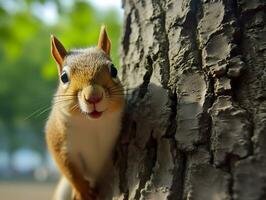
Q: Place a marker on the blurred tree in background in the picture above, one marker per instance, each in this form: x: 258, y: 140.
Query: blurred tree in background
x: 28, y: 75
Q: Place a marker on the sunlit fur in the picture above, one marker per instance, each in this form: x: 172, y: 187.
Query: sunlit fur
x: 70, y: 131
x: 89, y: 74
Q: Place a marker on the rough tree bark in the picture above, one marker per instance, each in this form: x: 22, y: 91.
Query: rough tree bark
x: 195, y: 124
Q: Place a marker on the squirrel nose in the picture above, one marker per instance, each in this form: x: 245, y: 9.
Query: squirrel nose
x: 94, y: 99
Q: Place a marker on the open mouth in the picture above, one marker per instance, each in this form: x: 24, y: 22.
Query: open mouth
x: 95, y: 114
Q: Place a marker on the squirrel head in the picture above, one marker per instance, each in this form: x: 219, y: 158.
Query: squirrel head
x: 88, y: 82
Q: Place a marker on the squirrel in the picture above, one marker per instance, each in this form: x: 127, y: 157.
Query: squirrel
x: 85, y: 120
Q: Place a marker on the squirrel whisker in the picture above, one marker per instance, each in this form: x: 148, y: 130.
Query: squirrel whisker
x: 42, y: 110
x: 35, y: 112
x: 65, y: 95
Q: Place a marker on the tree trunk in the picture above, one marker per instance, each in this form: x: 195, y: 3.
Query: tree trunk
x: 195, y: 122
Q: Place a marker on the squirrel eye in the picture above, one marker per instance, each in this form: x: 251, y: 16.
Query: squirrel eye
x: 64, y: 77
x: 113, y: 71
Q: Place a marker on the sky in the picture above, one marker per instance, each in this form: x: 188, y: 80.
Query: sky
x: 47, y: 12
x: 105, y: 4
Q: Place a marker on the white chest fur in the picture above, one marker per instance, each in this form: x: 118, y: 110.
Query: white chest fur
x: 90, y: 142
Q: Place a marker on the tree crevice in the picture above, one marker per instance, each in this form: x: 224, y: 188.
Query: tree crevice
x: 199, y: 104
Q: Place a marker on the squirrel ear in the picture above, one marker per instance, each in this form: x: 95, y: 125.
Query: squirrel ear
x: 58, y: 52
x: 104, y: 42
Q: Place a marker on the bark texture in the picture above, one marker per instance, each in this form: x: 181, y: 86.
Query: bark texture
x: 195, y: 123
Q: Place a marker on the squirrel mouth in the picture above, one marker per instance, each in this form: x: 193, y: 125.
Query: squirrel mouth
x: 95, y: 114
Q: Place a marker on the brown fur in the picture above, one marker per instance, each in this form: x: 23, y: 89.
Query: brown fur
x: 88, y: 67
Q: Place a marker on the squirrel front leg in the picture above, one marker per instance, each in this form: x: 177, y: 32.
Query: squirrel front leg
x: 89, y: 194
x: 82, y: 189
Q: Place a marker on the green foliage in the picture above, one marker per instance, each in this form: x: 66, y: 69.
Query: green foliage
x: 28, y: 75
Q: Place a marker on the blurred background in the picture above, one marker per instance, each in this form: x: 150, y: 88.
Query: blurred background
x: 28, y: 79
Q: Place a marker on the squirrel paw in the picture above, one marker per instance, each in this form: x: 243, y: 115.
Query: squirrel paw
x: 89, y: 195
